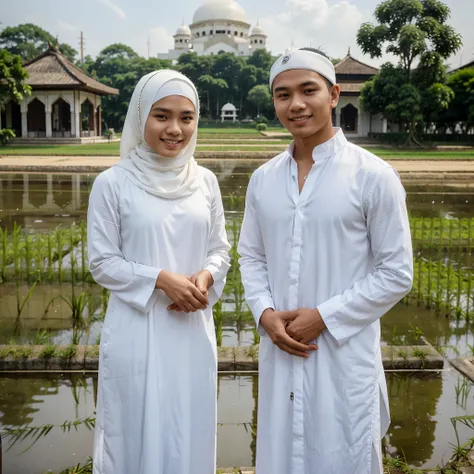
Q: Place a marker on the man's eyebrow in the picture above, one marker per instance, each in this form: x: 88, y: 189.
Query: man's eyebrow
x: 304, y: 84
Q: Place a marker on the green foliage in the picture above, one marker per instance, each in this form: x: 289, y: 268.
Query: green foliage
x: 260, y: 96
x: 6, y: 135
x: 29, y: 40
x: 12, y: 85
x: 261, y: 127
x: 411, y: 30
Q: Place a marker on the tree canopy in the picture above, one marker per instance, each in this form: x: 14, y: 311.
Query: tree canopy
x: 29, y: 40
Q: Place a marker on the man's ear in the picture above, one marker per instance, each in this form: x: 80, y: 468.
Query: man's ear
x: 335, y: 93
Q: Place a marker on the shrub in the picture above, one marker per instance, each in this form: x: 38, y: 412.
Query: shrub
x: 261, y: 127
x: 6, y: 135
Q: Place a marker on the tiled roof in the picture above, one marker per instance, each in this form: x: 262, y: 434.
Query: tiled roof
x: 52, y: 70
x: 350, y: 65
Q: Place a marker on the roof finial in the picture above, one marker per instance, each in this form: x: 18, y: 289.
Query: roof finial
x: 57, y: 42
x: 349, y: 51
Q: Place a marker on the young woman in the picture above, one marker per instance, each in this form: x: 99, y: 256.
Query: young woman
x: 157, y: 241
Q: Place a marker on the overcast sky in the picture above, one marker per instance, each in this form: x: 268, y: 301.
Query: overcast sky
x: 330, y: 24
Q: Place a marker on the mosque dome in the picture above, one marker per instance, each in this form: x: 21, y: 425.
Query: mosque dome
x: 258, y: 30
x: 183, y: 30
x: 220, y: 10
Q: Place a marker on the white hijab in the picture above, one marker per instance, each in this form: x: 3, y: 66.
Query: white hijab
x: 168, y: 178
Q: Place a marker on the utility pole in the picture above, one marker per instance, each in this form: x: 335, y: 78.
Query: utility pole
x: 81, y: 46
x: 148, y: 46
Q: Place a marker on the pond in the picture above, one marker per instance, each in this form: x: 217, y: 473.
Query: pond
x: 40, y: 202
x: 418, y: 431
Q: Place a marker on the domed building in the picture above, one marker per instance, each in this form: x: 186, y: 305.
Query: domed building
x: 218, y: 26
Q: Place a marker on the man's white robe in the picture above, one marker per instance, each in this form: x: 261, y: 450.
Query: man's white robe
x: 156, y: 410
x: 343, y: 246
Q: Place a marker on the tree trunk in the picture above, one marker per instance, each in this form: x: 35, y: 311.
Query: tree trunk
x: 209, y: 104
x: 411, y: 139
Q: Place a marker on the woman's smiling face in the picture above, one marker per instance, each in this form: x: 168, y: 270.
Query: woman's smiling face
x: 170, y: 125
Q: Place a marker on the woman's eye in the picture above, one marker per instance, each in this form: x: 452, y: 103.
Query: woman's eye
x: 187, y: 119
x: 161, y: 117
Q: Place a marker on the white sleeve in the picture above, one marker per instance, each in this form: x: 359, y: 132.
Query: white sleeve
x: 132, y: 282
x: 388, y: 229
x: 217, y: 261
x: 253, y: 260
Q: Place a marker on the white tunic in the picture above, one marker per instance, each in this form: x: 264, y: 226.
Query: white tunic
x: 343, y: 246
x: 156, y: 409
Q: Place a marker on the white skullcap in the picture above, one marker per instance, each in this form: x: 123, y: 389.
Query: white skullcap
x: 303, y: 59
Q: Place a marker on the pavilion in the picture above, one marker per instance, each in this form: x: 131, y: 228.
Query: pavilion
x: 64, y: 105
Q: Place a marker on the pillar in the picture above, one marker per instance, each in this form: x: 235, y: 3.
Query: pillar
x: 99, y: 120
x: 384, y: 125
x: 49, y: 131
x: 77, y: 123
x: 24, y: 124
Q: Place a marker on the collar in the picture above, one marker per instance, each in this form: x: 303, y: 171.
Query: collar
x: 327, y: 149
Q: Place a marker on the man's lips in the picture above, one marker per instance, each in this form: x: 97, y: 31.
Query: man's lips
x: 300, y: 118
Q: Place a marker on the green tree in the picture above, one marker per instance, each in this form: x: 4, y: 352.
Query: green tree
x: 412, y: 30
x: 12, y: 80
x: 461, y: 109
x: 212, y: 88
x: 29, y: 40
x: 409, y: 29
x: 261, y: 59
x: 260, y: 96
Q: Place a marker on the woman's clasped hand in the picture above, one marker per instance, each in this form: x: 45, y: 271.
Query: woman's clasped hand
x: 188, y: 293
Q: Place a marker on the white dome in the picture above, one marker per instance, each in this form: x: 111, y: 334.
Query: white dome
x: 220, y: 10
x: 258, y: 30
x: 229, y: 107
x: 183, y: 30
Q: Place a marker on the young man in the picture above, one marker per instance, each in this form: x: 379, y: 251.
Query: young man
x: 325, y: 251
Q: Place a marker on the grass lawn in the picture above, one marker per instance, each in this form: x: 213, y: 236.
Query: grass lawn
x: 112, y: 149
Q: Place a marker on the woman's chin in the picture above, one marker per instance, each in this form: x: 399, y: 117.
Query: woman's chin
x: 166, y: 152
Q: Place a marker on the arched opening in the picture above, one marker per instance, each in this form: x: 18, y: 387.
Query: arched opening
x: 349, y: 118
x: 11, y: 117
x: 87, y: 119
x: 61, y: 118
x: 36, y: 119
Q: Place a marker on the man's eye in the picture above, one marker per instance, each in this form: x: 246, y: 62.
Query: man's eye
x: 309, y: 91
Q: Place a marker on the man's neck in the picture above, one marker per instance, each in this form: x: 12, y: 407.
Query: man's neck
x: 304, y: 147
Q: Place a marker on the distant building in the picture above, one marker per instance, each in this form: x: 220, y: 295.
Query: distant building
x: 65, y: 103
x: 218, y: 26
x: 351, y: 75
x: 228, y: 113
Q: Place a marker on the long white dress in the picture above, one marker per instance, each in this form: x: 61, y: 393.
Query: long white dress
x: 156, y: 410
x: 343, y: 246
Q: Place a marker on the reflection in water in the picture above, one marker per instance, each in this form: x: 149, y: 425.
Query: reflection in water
x: 41, y: 201
x: 421, y: 407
